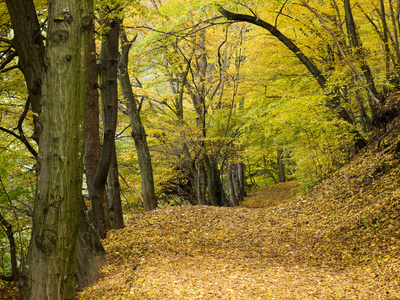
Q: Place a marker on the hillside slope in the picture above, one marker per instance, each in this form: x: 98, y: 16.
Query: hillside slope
x: 342, y: 241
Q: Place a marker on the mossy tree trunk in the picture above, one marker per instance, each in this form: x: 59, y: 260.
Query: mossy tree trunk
x: 50, y: 268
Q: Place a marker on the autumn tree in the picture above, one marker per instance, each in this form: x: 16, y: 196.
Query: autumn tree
x: 138, y: 130
x: 61, y: 87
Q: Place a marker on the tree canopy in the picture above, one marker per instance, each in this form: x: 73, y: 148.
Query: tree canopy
x: 200, y: 101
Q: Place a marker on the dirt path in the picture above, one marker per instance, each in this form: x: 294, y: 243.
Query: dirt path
x: 227, y: 253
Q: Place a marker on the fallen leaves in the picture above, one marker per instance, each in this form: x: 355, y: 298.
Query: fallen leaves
x: 340, y: 242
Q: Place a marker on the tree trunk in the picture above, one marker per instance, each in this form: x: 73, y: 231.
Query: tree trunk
x: 281, y: 166
x: 138, y: 132
x: 395, y: 31
x: 114, y: 195
x: 197, y: 175
x: 215, y: 189
x: 385, y: 38
x: 92, y: 132
x: 50, y: 269
x: 109, y: 93
x: 10, y: 235
x: 28, y: 43
x: 90, y: 256
x: 233, y: 200
x: 359, y: 51
x: 240, y: 181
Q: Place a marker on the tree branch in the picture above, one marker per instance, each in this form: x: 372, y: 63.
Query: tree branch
x: 283, y: 38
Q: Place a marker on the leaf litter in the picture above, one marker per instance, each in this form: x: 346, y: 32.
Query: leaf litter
x: 341, y: 241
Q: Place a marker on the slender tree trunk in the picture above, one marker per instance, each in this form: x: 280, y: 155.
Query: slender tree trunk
x: 109, y: 87
x: 281, y: 166
x: 138, y: 132
x: 358, y: 50
x: 92, y: 132
x: 114, y: 195
x: 28, y: 43
x: 233, y: 199
x: 395, y: 31
x: 50, y: 268
x: 385, y: 38
x: 10, y: 236
x: 240, y: 181
x: 90, y: 255
x: 197, y: 175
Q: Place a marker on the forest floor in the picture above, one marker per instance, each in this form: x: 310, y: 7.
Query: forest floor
x: 341, y: 241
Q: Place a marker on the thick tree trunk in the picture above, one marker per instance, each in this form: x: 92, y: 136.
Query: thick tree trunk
x: 90, y: 256
x: 215, y: 189
x: 50, y: 268
x: 197, y: 175
x: 138, y: 132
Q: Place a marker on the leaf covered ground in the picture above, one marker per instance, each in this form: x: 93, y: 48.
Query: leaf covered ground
x: 342, y: 241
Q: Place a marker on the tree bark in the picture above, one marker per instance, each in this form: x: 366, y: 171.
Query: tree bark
x: 108, y: 85
x: 90, y: 256
x: 215, y: 189
x: 138, y: 132
x: 10, y: 236
x: 50, y: 269
x: 240, y: 181
x: 233, y: 199
x: 114, y: 195
x: 92, y: 132
x: 28, y: 43
x: 197, y: 175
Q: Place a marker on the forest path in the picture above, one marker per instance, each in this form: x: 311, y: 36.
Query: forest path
x: 199, y: 252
